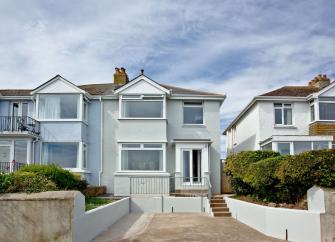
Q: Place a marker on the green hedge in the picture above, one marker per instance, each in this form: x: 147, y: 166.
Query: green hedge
x: 271, y: 177
x: 64, y: 179
x: 40, y: 178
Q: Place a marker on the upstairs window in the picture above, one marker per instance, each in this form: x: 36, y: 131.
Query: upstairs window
x: 327, y: 111
x: 312, y: 112
x: 193, y: 112
x: 62, y: 106
x: 283, y: 114
x: 141, y: 106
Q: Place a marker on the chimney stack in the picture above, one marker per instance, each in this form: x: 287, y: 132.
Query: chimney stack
x: 320, y: 81
x: 120, y: 76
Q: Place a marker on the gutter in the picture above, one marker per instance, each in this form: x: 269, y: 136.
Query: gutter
x: 101, y: 139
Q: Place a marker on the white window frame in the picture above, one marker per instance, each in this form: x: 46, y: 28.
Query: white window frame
x: 203, y: 111
x: 85, y: 112
x: 80, y: 107
x: 139, y: 97
x: 11, y: 144
x: 20, y: 103
x: 141, y: 147
x: 282, y: 114
x: 312, y: 106
x: 79, y: 163
x: 275, y: 144
x: 318, y: 104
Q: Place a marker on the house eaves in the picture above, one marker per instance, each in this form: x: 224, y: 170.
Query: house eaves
x: 262, y: 98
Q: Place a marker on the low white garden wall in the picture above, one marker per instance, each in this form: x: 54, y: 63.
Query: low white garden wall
x: 168, y: 204
x: 300, y: 225
x: 91, y: 223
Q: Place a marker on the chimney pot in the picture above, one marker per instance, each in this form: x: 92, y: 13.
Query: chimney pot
x: 142, y: 71
x: 120, y: 77
x: 320, y: 81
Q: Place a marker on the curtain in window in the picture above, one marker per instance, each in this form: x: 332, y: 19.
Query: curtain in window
x: 49, y: 107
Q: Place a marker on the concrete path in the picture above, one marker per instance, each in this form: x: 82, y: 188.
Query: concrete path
x: 180, y: 227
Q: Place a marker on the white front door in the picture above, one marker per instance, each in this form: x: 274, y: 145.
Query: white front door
x: 191, y: 165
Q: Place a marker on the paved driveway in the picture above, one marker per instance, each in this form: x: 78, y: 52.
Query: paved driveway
x: 180, y: 227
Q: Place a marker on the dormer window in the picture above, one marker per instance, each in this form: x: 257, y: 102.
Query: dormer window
x: 283, y: 113
x: 142, y: 106
x: 58, y: 106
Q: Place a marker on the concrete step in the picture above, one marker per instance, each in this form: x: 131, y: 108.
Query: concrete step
x: 188, y: 194
x: 220, y: 209
x: 222, y: 214
x: 217, y: 200
x: 215, y: 205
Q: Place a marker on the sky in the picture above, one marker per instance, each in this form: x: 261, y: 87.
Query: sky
x: 241, y: 48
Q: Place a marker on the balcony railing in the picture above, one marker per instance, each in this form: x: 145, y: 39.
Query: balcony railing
x: 7, y: 167
x: 19, y: 124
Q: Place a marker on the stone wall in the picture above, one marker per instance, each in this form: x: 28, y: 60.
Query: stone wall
x: 45, y: 216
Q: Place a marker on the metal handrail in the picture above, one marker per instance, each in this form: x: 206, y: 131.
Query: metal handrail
x: 7, y: 167
x: 19, y: 124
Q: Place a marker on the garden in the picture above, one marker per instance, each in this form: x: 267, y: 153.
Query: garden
x: 268, y: 178
x: 41, y: 178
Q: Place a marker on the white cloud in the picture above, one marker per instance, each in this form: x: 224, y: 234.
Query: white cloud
x: 241, y: 48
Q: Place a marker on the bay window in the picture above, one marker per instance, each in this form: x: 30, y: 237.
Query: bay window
x: 283, y: 114
x: 64, y: 154
x: 60, y: 106
x: 193, y: 112
x: 142, y: 157
x: 142, y: 106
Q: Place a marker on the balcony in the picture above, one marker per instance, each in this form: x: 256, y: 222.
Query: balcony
x: 19, y: 125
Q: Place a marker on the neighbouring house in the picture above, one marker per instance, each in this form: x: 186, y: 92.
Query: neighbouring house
x: 113, y: 132
x: 290, y: 120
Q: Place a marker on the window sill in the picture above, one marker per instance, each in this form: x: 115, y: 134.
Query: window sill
x: 285, y: 127
x: 141, y: 173
x: 77, y: 170
x: 142, y: 119
x: 194, y: 125
x: 60, y: 120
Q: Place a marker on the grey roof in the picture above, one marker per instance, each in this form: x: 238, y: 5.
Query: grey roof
x: 109, y: 88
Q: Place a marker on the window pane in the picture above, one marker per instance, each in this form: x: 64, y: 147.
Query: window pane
x: 62, y: 154
x: 312, y: 113
x: 278, y: 105
x: 278, y: 116
x: 193, y: 115
x: 24, y: 109
x: 20, y: 151
x: 58, y: 106
x: 131, y: 146
x: 267, y: 147
x: 327, y: 111
x: 142, y: 160
x: 186, y: 165
x: 319, y: 145
x: 302, y: 146
x: 284, y: 148
x: 84, y: 156
x: 287, y: 116
x: 5, y: 154
x: 194, y: 103
x: 152, y: 146
x: 142, y: 109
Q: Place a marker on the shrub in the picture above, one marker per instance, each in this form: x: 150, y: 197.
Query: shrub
x: 237, y: 167
x: 64, y: 180
x: 310, y: 168
x: 29, y: 182
x: 5, y: 182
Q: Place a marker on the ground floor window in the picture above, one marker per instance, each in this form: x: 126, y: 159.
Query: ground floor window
x: 142, y: 157
x: 296, y: 147
x: 16, y: 149
x: 64, y: 154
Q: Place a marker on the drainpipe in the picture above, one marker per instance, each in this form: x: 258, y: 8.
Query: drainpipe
x: 101, y: 139
x: 33, y: 153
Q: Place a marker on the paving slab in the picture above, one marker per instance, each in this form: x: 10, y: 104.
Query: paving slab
x: 181, y: 227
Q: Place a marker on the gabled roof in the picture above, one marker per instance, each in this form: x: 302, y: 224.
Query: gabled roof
x: 109, y: 89
x: 292, y: 91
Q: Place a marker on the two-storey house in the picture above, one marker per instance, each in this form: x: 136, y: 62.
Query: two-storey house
x: 113, y: 132
x: 290, y: 120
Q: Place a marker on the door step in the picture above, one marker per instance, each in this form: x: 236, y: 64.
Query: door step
x: 219, y: 207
